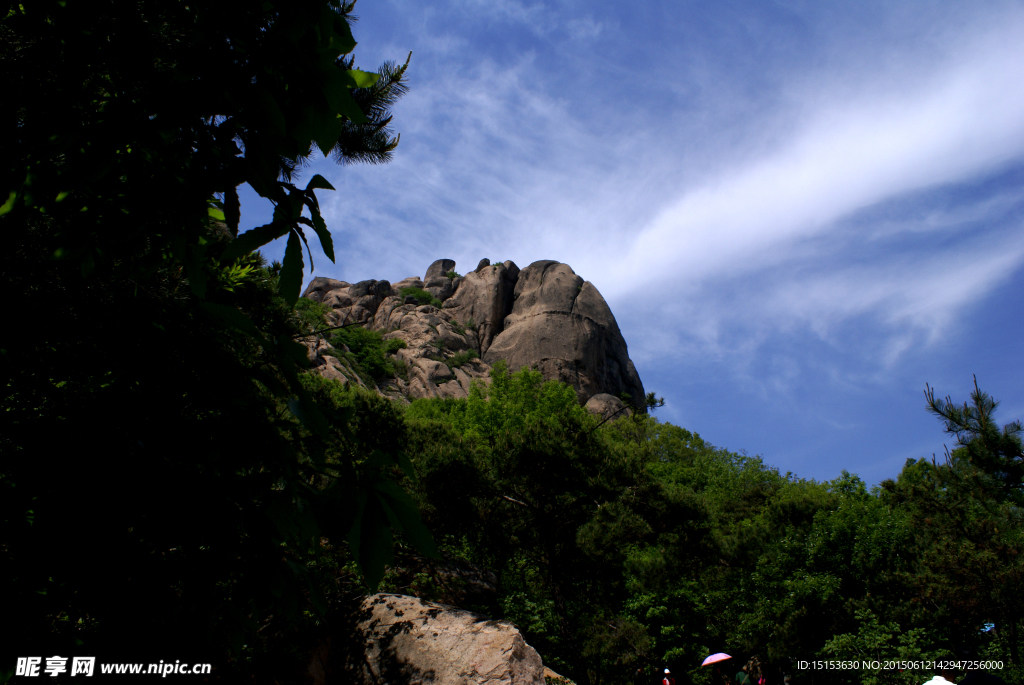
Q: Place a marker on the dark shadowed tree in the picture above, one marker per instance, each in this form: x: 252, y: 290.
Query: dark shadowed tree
x: 168, y: 477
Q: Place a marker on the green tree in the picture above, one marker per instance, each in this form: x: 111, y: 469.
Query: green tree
x: 876, y: 642
x: 967, y: 510
x: 168, y: 476
x: 558, y: 506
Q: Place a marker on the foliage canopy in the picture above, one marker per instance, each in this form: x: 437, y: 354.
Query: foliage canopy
x: 171, y: 480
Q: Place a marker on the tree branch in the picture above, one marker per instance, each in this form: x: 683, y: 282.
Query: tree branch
x: 608, y: 418
x: 332, y: 328
x: 515, y: 501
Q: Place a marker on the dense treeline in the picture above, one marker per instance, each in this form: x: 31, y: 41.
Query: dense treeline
x: 636, y: 544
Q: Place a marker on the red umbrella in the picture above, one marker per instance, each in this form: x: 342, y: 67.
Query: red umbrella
x: 715, y: 658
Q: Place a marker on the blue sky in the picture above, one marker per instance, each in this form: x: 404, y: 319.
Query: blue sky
x: 799, y: 212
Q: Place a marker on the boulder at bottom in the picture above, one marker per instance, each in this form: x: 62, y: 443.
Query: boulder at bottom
x: 400, y: 639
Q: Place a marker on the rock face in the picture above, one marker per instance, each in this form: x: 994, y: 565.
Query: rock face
x: 608, y: 407
x: 330, y: 366
x: 438, y: 269
x: 407, y: 640
x: 351, y: 302
x: 562, y: 326
x: 544, y: 317
x: 483, y: 300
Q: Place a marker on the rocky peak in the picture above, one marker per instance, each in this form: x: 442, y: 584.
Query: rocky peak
x: 484, y: 297
x: 439, y: 269
x: 544, y: 317
x: 561, y: 325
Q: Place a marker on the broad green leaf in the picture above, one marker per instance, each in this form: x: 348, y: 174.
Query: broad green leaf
x: 270, y: 109
x: 252, y: 240
x: 327, y: 133
x: 232, y: 209
x: 339, y: 96
x: 291, y: 270
x: 326, y: 241
x: 288, y: 365
x: 311, y: 201
x: 409, y: 516
x: 342, y: 41
x: 336, y: 504
x: 289, y: 207
x: 215, y: 213
x: 302, y: 234
x: 377, y: 547
x: 294, y: 351
x: 263, y: 177
x: 9, y: 205
x: 318, y: 181
x: 306, y: 411
x: 406, y: 465
x: 363, y: 79
x: 389, y: 513
x: 296, y: 200
x: 350, y: 108
x: 288, y: 368
x: 370, y: 540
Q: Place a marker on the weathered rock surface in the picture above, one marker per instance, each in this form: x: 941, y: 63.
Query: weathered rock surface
x: 438, y: 269
x: 608, y: 407
x: 561, y: 326
x: 483, y: 300
x: 441, y: 288
x: 330, y: 366
x: 410, y: 282
x: 545, y: 317
x: 408, y: 640
x: 320, y: 286
x: 350, y: 302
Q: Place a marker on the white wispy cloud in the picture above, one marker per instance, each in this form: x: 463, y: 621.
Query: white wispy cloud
x: 799, y: 214
x: 850, y: 156
x: 505, y: 160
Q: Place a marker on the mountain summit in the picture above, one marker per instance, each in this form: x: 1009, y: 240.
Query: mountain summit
x: 450, y: 329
